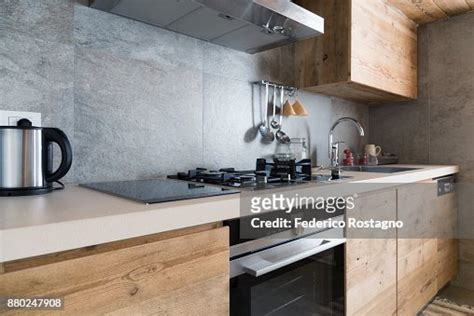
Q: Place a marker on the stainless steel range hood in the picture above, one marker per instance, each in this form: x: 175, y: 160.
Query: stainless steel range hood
x: 246, y: 25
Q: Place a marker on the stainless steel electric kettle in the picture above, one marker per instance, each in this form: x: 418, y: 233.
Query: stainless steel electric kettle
x: 26, y: 159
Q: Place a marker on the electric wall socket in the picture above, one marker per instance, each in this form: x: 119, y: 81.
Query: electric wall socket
x: 10, y: 118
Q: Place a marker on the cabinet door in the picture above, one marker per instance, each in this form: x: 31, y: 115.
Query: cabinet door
x: 186, y: 275
x: 446, y: 223
x: 447, y: 265
x: 368, y: 52
x: 371, y: 258
x: 427, y: 252
x: 383, y: 49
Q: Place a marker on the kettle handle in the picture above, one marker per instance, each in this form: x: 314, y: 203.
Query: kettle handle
x: 55, y: 135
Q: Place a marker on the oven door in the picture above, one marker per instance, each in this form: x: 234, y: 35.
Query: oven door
x: 301, y: 277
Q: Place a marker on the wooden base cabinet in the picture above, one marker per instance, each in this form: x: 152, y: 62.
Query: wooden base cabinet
x: 179, y: 273
x: 427, y: 250
x: 447, y: 262
x: 368, y: 52
x: 371, y: 270
x: 398, y: 272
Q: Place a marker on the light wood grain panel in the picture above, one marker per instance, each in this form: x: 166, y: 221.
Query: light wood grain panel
x: 383, y: 48
x: 185, y: 301
x: 447, y: 265
x: 371, y: 260
x: 417, y: 288
x: 470, y: 3
x: 417, y: 204
x: 427, y: 255
x: 367, y: 54
x: 466, y: 264
x: 159, y: 272
x: 325, y: 59
x: 445, y: 221
x: 414, y: 253
x: 444, y: 216
x: 453, y: 7
x: 420, y: 12
x: 17, y: 265
x: 371, y: 287
x: 357, y: 92
x: 417, y: 252
x: 468, y: 250
x: 425, y: 11
x: 417, y: 279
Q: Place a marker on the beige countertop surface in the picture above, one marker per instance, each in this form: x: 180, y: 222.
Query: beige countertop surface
x: 78, y: 217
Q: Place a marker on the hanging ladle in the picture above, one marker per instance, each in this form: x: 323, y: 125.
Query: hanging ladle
x: 274, y: 123
x: 264, y: 129
x: 281, y: 136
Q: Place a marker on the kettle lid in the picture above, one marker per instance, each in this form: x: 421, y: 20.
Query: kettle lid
x: 24, y: 123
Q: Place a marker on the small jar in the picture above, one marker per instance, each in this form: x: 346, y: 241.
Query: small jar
x: 282, y: 152
x: 299, y: 149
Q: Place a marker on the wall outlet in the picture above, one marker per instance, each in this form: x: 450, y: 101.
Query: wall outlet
x: 10, y: 118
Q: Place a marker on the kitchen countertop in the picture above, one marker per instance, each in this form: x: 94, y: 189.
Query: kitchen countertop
x: 78, y: 217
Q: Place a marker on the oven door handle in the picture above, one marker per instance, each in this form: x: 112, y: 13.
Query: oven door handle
x: 274, y: 258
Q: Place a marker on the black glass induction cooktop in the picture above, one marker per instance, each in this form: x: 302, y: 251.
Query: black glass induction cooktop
x: 158, y: 190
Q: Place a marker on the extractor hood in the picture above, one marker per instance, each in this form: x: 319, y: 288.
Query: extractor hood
x: 246, y: 25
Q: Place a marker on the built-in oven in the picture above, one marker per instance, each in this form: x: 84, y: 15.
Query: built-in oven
x: 287, y: 272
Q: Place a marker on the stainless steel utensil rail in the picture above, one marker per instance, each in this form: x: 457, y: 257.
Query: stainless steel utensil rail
x: 291, y: 91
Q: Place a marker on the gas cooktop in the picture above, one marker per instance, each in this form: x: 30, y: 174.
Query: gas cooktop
x: 267, y: 175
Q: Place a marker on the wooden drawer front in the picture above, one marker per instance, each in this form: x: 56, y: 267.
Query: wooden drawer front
x: 178, y: 276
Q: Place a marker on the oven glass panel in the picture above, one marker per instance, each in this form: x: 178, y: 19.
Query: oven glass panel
x: 313, y: 286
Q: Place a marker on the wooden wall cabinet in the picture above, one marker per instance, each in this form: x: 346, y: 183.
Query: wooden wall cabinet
x: 368, y: 52
x: 183, y: 272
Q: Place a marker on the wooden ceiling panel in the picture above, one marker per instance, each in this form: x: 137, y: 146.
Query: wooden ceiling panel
x: 470, y: 3
x: 453, y: 7
x: 425, y: 11
x: 421, y: 11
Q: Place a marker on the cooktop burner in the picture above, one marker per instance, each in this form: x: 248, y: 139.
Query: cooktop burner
x: 266, y: 175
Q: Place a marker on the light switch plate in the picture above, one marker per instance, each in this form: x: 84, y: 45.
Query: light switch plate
x: 10, y: 118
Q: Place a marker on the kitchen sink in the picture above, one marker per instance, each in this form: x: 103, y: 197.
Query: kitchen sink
x: 378, y: 169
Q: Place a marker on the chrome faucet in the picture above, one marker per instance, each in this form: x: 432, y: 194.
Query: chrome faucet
x: 334, y: 146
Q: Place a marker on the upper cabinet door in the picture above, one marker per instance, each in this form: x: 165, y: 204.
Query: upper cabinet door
x: 368, y: 52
